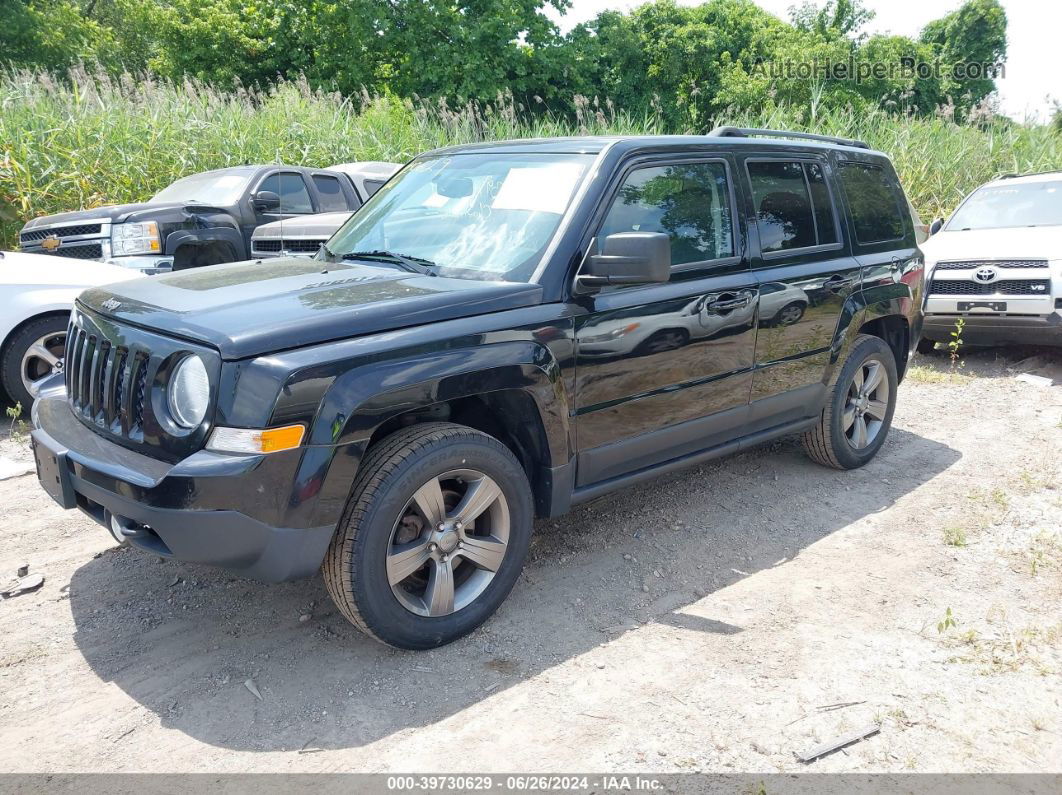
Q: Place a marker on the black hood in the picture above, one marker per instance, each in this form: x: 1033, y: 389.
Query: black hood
x: 252, y: 308
x: 116, y: 213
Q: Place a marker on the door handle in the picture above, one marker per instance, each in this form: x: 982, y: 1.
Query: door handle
x: 836, y: 283
x: 724, y: 305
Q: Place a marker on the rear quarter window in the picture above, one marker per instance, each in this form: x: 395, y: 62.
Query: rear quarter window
x: 874, y: 200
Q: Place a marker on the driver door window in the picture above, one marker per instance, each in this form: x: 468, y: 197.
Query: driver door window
x: 294, y: 198
x: 689, y: 202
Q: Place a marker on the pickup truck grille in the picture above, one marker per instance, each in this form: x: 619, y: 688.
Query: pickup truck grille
x: 32, y: 235
x: 296, y: 246
x: 1008, y: 287
x: 996, y: 263
x: 84, y: 251
x: 105, y: 383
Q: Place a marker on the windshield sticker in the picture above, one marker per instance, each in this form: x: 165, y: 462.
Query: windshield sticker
x: 545, y: 189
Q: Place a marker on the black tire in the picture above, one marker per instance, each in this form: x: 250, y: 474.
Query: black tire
x: 354, y: 567
x: 53, y: 326
x: 827, y: 443
x: 926, y: 347
x: 800, y: 306
x: 670, y: 339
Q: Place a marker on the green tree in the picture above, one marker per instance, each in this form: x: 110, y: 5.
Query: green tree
x: 974, y: 34
x: 48, y: 34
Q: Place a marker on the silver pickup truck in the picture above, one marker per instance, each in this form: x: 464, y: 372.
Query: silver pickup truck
x: 305, y: 234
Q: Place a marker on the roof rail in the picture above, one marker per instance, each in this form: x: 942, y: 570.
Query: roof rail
x: 745, y: 132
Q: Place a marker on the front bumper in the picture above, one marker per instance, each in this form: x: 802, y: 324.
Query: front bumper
x: 984, y: 329
x: 173, y: 510
x: 148, y: 264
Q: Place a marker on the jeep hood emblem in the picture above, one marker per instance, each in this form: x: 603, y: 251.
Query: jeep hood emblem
x: 111, y: 304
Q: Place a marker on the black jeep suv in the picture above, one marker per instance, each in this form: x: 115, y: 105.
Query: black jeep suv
x: 504, y: 330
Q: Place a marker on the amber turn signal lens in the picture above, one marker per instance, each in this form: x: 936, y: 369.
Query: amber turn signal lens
x: 252, y: 440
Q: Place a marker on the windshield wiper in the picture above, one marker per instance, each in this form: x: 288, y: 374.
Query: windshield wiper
x: 404, y: 261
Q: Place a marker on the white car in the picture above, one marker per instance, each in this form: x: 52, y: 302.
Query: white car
x: 303, y: 236
x: 36, y: 295
x: 997, y: 263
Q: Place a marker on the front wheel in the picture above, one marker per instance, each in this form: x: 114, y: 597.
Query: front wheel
x: 433, y: 538
x: 854, y: 423
x: 31, y: 355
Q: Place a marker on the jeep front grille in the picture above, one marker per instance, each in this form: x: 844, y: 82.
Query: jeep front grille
x: 997, y: 263
x: 105, y: 383
x: 1008, y: 287
x: 32, y: 235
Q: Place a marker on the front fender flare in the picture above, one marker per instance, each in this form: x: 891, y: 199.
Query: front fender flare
x: 363, y: 398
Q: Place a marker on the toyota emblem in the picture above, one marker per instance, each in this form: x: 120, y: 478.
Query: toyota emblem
x: 986, y: 275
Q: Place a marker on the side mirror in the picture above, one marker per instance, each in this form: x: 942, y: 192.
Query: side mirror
x: 265, y: 200
x: 936, y: 226
x: 629, y: 258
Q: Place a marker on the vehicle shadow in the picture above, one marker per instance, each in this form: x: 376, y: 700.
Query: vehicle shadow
x: 183, y: 640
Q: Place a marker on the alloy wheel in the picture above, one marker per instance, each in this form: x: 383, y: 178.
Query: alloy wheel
x: 867, y: 404
x: 449, y: 543
x: 41, y: 359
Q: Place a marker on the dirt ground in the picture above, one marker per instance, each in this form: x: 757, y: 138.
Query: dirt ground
x: 718, y: 619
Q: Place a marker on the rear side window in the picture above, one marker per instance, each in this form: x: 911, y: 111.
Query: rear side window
x: 793, y: 206
x: 294, y: 198
x: 876, y: 212
x: 690, y: 202
x: 372, y: 185
x: 332, y: 197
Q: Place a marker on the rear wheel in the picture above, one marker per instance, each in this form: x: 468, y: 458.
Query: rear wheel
x: 433, y: 538
x: 31, y: 355
x: 854, y: 423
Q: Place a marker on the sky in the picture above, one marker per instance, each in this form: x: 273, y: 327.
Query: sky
x: 1034, y: 60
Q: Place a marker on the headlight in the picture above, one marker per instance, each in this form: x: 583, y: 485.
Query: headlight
x: 615, y: 334
x: 129, y: 239
x: 189, y: 392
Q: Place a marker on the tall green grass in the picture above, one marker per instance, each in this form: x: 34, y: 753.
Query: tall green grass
x: 89, y: 139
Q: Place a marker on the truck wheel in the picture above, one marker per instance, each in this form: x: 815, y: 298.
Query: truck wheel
x: 926, y: 347
x: 433, y: 538
x: 31, y: 355
x: 857, y: 417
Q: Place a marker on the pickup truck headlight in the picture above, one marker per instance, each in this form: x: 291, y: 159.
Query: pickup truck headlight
x: 189, y: 392
x: 129, y: 239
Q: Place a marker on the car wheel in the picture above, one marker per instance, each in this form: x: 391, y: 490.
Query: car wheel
x: 926, y: 347
x: 663, y: 340
x: 433, y: 538
x: 789, y: 314
x: 854, y: 423
x: 32, y: 354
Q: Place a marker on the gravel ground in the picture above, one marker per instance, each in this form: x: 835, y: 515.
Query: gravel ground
x: 718, y: 619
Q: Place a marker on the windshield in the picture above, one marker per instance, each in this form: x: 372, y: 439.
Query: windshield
x: 211, y: 188
x: 476, y: 215
x: 1020, y: 204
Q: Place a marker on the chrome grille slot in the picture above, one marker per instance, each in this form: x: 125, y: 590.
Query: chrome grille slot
x: 59, y: 231
x: 138, y: 395
x: 998, y: 263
